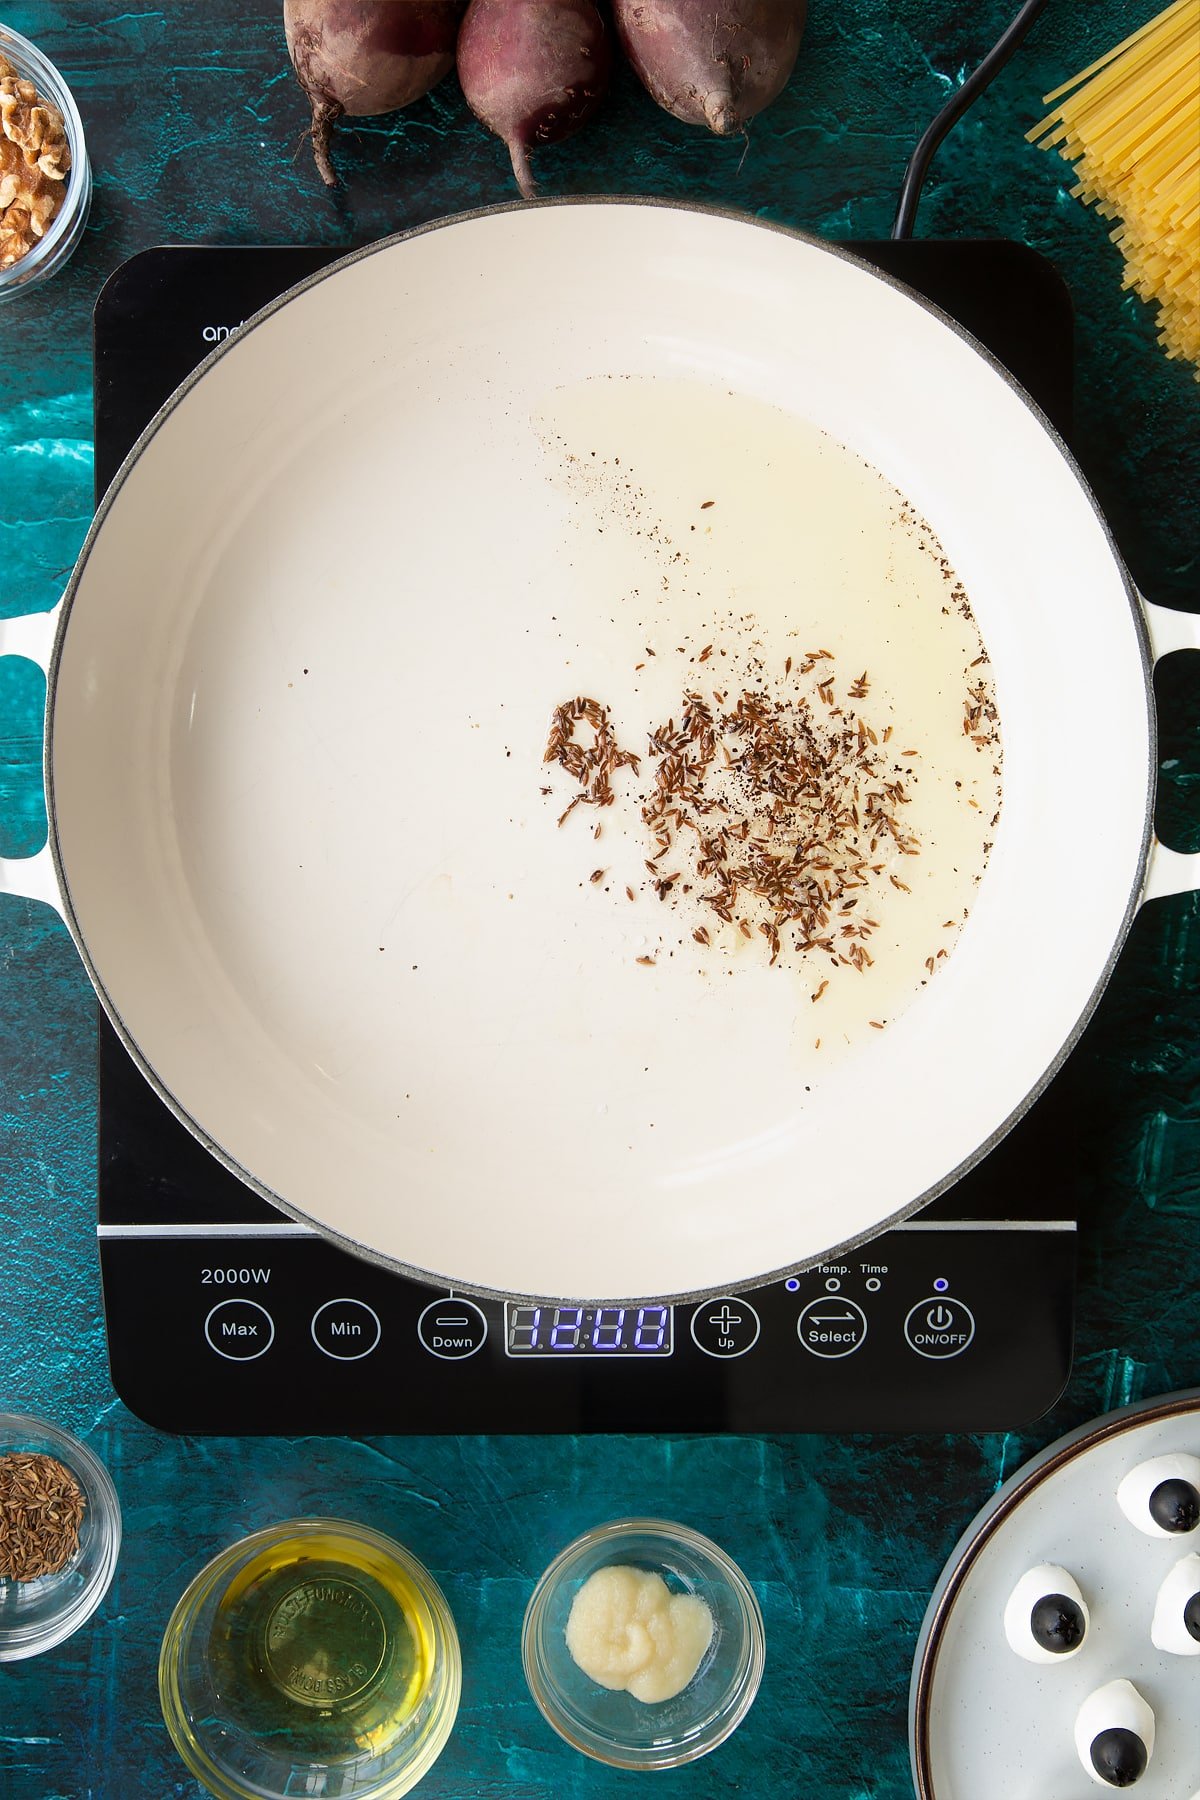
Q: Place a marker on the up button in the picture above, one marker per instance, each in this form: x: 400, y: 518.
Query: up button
x: 939, y: 1327
x: 725, y: 1327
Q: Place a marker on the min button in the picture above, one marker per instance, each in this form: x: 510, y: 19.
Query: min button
x: 345, y: 1329
x: 939, y: 1327
x: 239, y: 1330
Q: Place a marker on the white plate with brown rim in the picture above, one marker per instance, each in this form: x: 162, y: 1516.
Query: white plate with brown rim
x: 985, y: 1724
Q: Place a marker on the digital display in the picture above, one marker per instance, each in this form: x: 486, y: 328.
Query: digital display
x: 588, y: 1330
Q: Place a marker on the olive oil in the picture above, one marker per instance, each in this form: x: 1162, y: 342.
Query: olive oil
x: 725, y: 540
x: 325, y: 1641
x: 314, y: 1657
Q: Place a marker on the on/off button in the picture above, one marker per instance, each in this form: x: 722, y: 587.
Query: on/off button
x: 939, y: 1327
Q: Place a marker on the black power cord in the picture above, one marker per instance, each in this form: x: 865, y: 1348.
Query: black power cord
x: 952, y: 112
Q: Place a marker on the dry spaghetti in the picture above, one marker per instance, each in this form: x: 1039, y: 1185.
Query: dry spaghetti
x: 1130, y: 123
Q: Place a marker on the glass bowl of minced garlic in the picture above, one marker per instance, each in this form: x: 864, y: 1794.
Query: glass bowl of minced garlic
x: 643, y: 1644
x: 60, y: 1532
x: 45, y: 177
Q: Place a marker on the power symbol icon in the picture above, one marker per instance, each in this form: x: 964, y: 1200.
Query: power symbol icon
x: 939, y: 1328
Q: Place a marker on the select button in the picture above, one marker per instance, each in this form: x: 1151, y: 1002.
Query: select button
x: 240, y: 1330
x: 345, y: 1329
x: 832, y: 1326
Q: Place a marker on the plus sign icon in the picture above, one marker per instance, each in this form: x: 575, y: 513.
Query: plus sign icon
x: 727, y: 1326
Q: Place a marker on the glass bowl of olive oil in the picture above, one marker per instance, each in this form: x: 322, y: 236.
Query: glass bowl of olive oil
x: 316, y: 1657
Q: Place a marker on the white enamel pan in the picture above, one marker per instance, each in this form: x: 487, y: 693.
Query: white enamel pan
x: 298, y: 691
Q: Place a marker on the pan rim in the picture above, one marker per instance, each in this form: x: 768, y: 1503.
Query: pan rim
x: 712, y: 212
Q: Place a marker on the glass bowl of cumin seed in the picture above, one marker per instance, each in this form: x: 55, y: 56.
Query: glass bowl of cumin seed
x: 60, y: 1531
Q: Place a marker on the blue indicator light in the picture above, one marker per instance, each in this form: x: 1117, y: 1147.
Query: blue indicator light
x: 791, y: 1284
x: 940, y: 1285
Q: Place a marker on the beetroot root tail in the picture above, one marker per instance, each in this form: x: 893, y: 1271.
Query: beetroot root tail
x: 325, y: 114
x: 519, y: 153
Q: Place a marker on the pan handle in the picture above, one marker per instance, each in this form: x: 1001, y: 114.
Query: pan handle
x: 30, y: 877
x: 1170, y: 871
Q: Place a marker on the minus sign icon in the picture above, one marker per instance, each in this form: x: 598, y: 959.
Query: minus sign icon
x: 444, y: 1319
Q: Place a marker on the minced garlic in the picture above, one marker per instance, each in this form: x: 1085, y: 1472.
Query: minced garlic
x: 627, y: 1630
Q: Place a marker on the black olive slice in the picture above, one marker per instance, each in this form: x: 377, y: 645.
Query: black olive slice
x: 1057, y: 1623
x: 1119, y: 1756
x: 1175, y: 1505
x: 1191, y: 1617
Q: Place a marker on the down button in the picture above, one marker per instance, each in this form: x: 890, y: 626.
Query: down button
x: 452, y: 1328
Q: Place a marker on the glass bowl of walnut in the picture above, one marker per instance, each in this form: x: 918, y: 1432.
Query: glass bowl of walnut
x: 45, y: 180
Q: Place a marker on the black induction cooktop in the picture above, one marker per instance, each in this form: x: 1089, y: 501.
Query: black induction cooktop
x: 223, y: 1315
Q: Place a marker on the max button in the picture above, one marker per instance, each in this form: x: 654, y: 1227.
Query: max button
x: 346, y: 1329
x: 832, y: 1326
x: 939, y: 1327
x: 726, y: 1326
x: 239, y: 1330
x: 452, y: 1328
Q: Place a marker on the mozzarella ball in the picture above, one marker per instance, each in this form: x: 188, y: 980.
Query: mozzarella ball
x: 1114, y: 1734
x: 1176, y: 1625
x: 1046, y: 1617
x: 1162, y: 1497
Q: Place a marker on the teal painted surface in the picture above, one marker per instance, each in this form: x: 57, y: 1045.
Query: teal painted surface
x: 195, y: 127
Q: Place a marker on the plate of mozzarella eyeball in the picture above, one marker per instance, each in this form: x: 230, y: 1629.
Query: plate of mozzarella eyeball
x: 1060, y: 1653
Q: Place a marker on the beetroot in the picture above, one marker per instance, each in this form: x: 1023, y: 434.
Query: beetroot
x: 533, y: 71
x: 712, y: 62
x: 361, y: 57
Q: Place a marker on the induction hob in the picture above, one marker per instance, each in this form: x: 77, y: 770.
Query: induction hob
x: 223, y: 1315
